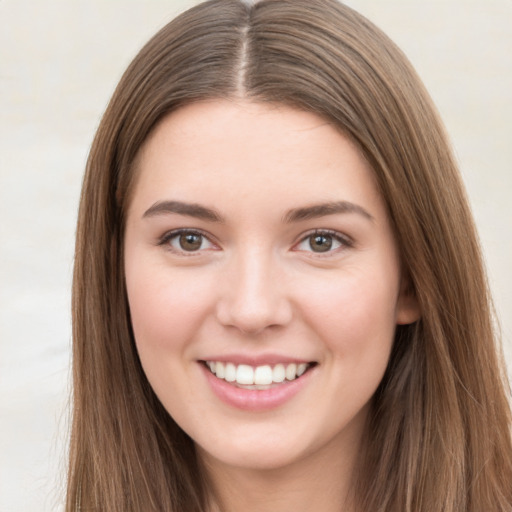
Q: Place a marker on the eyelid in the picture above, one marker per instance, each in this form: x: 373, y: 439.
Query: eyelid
x: 345, y: 241
x: 168, y: 235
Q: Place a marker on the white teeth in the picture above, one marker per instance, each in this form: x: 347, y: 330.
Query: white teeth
x: 291, y: 371
x: 278, y: 373
x: 220, y: 370
x: 245, y: 374
x: 230, y: 373
x: 265, y: 375
x: 301, y: 368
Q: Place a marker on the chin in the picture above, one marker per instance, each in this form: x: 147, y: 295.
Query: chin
x: 252, y: 458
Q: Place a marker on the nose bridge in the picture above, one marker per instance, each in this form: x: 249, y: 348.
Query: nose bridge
x: 254, y: 297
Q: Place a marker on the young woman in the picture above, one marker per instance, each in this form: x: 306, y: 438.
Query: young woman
x: 279, y: 300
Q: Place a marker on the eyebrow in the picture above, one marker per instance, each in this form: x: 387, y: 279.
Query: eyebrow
x: 321, y: 210
x: 294, y: 215
x: 181, y: 208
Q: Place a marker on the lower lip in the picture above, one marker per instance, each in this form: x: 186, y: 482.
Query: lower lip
x: 255, y: 399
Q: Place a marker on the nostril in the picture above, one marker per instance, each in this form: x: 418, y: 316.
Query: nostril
x: 253, y: 316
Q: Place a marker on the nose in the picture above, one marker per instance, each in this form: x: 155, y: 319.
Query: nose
x: 253, y: 294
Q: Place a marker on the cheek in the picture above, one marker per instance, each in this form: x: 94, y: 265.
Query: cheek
x: 354, y: 315
x: 167, y: 310
x: 165, y: 307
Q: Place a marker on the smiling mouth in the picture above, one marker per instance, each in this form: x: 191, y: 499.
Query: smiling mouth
x: 257, y: 377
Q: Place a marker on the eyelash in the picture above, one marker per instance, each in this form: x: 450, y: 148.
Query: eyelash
x: 343, y: 240
x: 167, y: 237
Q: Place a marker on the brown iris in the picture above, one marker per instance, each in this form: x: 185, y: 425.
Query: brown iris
x: 190, y: 241
x: 320, y: 243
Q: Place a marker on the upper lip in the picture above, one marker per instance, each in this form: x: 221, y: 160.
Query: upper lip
x: 256, y: 360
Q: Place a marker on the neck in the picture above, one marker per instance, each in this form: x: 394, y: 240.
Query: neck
x: 321, y: 482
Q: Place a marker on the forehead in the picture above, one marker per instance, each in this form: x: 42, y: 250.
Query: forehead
x: 220, y: 149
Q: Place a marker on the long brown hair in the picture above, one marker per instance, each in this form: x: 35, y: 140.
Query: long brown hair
x: 439, y: 431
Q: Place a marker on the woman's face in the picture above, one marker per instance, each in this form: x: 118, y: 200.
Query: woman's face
x: 263, y: 281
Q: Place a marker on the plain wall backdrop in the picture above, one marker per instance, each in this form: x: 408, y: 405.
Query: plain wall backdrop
x: 59, y: 63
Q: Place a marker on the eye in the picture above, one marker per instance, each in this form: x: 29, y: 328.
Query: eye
x: 322, y: 242
x: 186, y: 241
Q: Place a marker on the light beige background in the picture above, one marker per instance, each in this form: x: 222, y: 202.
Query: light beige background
x: 59, y: 63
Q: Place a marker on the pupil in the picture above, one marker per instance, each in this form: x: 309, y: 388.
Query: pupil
x: 320, y: 243
x: 190, y: 242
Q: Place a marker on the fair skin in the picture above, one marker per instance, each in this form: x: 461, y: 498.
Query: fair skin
x: 256, y: 239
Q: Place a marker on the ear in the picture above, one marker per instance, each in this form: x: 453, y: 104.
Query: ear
x: 408, y: 309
